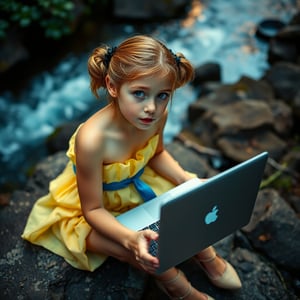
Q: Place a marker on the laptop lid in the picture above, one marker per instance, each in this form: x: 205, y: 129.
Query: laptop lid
x: 195, y: 219
x: 149, y: 212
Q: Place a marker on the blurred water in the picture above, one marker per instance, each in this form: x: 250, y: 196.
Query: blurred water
x: 223, y: 32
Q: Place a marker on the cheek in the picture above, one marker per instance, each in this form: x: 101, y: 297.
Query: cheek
x: 129, y: 109
x: 163, y: 106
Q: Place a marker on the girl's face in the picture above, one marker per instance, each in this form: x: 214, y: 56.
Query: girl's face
x: 143, y: 102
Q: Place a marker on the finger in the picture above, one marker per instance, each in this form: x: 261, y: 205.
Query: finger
x: 144, y: 241
x: 148, y: 267
x: 150, y: 234
x: 148, y: 259
x: 145, y: 258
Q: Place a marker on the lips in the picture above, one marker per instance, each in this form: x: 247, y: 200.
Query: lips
x: 146, y: 120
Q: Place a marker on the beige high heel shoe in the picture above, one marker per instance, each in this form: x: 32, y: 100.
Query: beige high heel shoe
x: 228, y: 280
x: 162, y: 284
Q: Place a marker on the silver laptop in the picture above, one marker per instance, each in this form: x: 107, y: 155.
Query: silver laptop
x: 194, y: 215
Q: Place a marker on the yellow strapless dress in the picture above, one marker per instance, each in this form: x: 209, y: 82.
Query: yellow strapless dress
x: 56, y: 221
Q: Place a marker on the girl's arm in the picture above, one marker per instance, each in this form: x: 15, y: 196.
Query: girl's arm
x: 89, y: 160
x: 165, y: 165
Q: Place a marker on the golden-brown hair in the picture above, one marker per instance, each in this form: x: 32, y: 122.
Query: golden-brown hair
x: 137, y: 57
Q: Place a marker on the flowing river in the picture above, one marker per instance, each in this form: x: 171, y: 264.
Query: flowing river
x: 221, y: 31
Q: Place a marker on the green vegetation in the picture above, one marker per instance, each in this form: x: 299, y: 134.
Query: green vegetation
x: 54, y: 17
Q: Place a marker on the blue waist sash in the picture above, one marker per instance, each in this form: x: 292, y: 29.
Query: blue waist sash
x: 143, y: 188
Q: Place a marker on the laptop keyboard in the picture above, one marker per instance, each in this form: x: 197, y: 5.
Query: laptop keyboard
x: 153, y: 247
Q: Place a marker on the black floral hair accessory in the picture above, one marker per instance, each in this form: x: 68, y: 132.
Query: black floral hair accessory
x: 176, y: 57
x: 107, y: 57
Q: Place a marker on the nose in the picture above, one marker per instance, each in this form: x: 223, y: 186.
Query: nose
x: 149, y: 106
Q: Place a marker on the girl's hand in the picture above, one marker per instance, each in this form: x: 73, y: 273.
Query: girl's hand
x: 140, y: 246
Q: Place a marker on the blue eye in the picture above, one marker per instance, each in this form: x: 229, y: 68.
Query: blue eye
x: 139, y: 94
x: 163, y: 96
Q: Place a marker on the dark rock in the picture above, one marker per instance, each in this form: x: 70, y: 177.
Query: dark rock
x: 244, y: 145
x: 273, y: 218
x: 189, y: 160
x: 282, y: 116
x: 261, y: 280
x: 285, y: 43
x: 244, y: 118
x: 268, y: 28
x: 294, y: 200
x: 285, y: 80
x: 59, y: 139
x: 282, y: 51
x: 38, y: 183
x: 245, y: 88
x: 243, y: 128
x: 208, y: 87
x: 295, y: 19
x: 296, y: 107
x: 208, y: 72
x: 242, y: 115
x: 290, y: 33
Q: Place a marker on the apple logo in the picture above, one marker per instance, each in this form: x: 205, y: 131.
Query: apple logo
x: 212, y: 215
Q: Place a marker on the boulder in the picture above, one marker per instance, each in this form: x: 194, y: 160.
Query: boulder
x: 285, y: 80
x: 272, y: 219
x: 208, y: 72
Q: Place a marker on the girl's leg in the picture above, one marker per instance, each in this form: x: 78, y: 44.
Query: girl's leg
x: 219, y: 271
x: 214, y: 264
x: 172, y: 282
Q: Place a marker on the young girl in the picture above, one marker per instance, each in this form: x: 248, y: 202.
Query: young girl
x: 124, y: 139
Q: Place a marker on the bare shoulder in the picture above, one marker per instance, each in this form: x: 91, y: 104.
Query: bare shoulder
x: 90, y: 138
